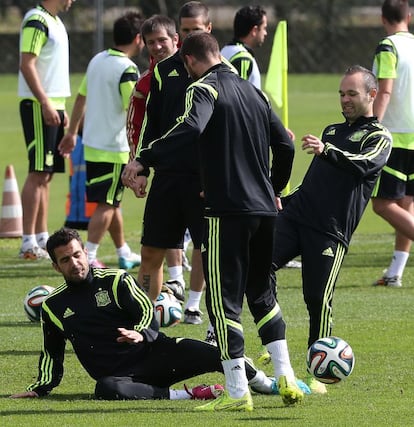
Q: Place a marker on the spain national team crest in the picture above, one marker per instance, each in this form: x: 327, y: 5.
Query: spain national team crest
x: 102, y: 298
x: 49, y: 159
x: 357, y: 136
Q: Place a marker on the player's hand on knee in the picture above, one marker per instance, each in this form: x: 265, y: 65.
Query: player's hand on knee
x: 129, y: 336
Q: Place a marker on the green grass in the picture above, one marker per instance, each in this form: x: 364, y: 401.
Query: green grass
x: 378, y: 323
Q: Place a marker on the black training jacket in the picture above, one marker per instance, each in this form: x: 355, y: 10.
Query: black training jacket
x: 165, y: 103
x: 338, y: 184
x: 89, y: 314
x: 233, y: 127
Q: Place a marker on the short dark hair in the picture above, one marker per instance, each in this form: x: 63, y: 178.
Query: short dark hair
x: 61, y: 237
x: 246, y: 18
x: 370, y: 80
x: 126, y: 28
x: 194, y: 9
x: 157, y: 23
x: 395, y: 11
x: 201, y: 45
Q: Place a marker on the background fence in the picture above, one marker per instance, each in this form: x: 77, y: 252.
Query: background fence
x: 324, y: 43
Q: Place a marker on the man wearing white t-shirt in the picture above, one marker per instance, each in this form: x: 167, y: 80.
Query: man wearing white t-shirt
x: 249, y: 31
x: 104, y: 98
x: 43, y: 89
x: 394, y: 107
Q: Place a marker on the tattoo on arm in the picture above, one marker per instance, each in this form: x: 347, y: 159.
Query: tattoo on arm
x: 146, y: 282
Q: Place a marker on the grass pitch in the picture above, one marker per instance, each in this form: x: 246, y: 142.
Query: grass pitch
x: 378, y: 323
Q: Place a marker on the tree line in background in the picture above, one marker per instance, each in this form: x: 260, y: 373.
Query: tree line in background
x: 324, y: 36
x: 328, y: 11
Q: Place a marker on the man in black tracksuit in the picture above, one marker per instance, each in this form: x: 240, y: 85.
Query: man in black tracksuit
x: 235, y: 128
x: 321, y: 215
x: 110, y: 323
x: 174, y: 203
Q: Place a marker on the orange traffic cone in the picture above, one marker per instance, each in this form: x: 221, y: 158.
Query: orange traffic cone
x: 11, y: 224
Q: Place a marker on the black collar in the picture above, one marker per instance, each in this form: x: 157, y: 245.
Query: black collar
x: 362, y: 120
x: 86, y: 282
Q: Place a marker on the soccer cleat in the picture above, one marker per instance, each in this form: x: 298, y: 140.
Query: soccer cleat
x: 303, y: 386
x: 293, y: 264
x: 33, y: 253
x: 227, y: 403
x: 264, y: 387
x: 205, y: 392
x: 289, y: 391
x: 264, y: 357
x: 315, y: 386
x: 211, y: 338
x: 126, y: 263
x: 275, y: 390
x: 260, y: 383
x: 192, y: 316
x: 176, y: 288
x: 97, y: 264
x: 392, y: 282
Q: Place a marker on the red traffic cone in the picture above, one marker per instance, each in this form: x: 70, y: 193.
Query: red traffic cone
x: 11, y: 222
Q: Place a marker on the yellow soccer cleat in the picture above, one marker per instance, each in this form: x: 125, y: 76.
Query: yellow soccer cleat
x: 227, y: 403
x: 289, y: 391
x: 315, y: 386
x: 264, y: 358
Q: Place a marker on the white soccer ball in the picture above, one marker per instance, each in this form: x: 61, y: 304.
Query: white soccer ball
x: 33, y: 301
x: 168, y: 310
x: 330, y: 360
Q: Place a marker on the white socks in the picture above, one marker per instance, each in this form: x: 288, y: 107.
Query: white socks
x: 124, y: 251
x: 41, y: 239
x: 31, y: 240
x: 28, y: 241
x: 399, y: 260
x: 179, y: 395
x: 279, y: 353
x: 194, y: 299
x: 236, y: 380
x: 92, y: 250
x: 176, y: 273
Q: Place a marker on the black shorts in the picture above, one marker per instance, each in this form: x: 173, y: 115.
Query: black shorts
x: 103, y: 182
x: 41, y: 140
x: 397, y: 177
x: 173, y: 204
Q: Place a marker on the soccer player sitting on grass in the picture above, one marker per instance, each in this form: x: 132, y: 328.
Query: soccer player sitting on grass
x: 110, y: 322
